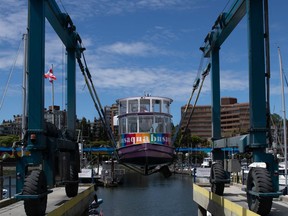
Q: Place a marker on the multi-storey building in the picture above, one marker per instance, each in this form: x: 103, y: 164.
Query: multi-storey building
x: 55, y: 116
x: 111, y: 113
x: 234, y: 118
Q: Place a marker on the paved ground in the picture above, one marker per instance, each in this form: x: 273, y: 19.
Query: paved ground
x: 236, y: 194
x: 55, y: 199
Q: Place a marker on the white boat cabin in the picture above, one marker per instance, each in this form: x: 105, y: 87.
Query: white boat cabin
x: 144, y: 114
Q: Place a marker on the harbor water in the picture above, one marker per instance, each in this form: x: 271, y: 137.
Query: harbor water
x: 144, y: 195
x: 149, y: 195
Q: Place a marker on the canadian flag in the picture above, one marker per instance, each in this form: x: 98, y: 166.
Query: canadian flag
x: 50, y: 75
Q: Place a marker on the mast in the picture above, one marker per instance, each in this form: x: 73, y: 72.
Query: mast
x: 52, y: 86
x: 24, y: 89
x: 284, y: 115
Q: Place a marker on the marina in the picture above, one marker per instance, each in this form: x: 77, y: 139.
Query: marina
x: 57, y: 204
x: 139, y: 162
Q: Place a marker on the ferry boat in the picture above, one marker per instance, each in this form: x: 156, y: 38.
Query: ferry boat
x: 145, y: 134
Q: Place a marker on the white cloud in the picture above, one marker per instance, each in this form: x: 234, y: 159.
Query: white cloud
x: 134, y: 49
x: 123, y: 82
x: 13, y: 21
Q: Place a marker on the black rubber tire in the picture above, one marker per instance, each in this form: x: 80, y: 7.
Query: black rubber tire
x: 35, y: 184
x: 217, y: 173
x: 259, y: 180
x: 71, y: 188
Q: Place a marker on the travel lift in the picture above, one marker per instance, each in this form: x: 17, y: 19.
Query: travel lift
x: 262, y: 182
x: 54, y: 154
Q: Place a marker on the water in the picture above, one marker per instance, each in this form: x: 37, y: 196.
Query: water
x: 140, y: 195
x: 149, y: 195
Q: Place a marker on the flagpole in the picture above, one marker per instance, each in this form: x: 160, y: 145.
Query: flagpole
x: 53, y: 117
x: 284, y: 115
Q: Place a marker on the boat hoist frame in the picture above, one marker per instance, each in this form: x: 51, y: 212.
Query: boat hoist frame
x: 259, y: 194
x: 54, y: 154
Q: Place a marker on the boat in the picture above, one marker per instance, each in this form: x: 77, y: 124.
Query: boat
x: 204, y: 170
x: 93, y: 207
x: 88, y: 172
x: 145, y: 134
x: 207, y: 162
x: 4, y: 193
x: 111, y: 174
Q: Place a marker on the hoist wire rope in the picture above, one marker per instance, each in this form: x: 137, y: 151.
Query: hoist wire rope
x: 93, y: 88
x: 195, y: 102
x: 194, y: 88
x: 96, y: 101
x: 204, y: 74
x: 10, y: 74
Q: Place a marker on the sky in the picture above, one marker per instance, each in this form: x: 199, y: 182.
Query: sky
x: 139, y: 46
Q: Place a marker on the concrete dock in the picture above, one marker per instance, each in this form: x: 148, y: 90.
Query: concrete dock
x: 233, y: 202
x: 57, y: 203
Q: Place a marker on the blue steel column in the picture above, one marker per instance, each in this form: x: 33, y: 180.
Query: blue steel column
x: 36, y: 61
x: 257, y: 93
x: 216, y: 106
x: 35, y: 64
x: 257, y: 97
x: 71, y: 89
x: 215, y: 86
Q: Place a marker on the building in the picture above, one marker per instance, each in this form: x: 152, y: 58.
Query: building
x: 56, y: 116
x: 14, y: 126
x: 235, y: 118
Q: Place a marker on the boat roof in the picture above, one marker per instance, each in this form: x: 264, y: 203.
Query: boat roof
x: 145, y: 97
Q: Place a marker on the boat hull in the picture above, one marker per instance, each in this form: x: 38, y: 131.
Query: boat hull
x: 146, y: 154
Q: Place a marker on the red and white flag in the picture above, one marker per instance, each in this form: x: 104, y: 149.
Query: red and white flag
x: 50, y: 75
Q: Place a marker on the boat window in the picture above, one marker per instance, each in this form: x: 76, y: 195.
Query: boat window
x: 122, y: 125
x: 133, y: 106
x: 166, y: 106
x: 159, y: 121
x: 156, y: 105
x: 144, y: 105
x: 123, y: 107
x: 167, y: 125
x: 132, y: 124
x: 145, y: 123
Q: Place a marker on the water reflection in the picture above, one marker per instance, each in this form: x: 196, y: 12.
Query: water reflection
x: 150, y: 195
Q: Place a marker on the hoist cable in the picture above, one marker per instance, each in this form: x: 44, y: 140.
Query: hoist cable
x: 93, y: 88
x: 96, y: 101
x: 195, y: 86
x: 204, y: 74
x: 102, y: 117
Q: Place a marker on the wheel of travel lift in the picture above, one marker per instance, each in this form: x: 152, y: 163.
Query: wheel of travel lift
x: 71, y: 188
x: 35, y: 184
x: 217, y: 173
x: 259, y: 181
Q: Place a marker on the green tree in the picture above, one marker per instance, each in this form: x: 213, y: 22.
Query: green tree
x: 7, y: 141
x: 276, y: 120
x: 196, y: 141
x: 85, y: 128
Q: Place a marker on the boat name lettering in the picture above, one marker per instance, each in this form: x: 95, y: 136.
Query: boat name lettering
x: 140, y: 138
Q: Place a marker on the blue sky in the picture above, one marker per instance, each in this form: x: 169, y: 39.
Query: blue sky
x: 137, y: 46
